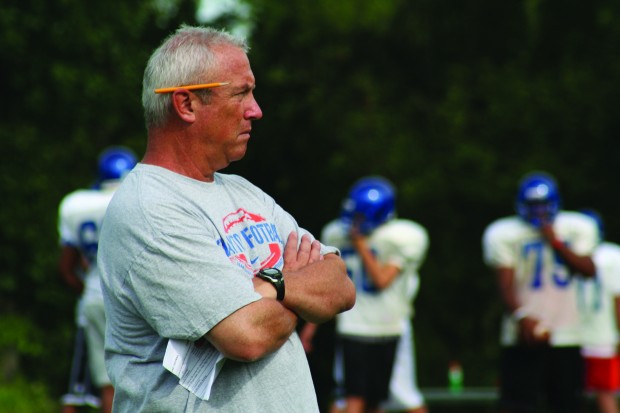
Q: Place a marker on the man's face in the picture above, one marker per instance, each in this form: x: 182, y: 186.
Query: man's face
x: 226, y: 120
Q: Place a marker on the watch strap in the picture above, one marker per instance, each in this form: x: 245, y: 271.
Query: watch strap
x: 276, y: 280
x: 279, y: 289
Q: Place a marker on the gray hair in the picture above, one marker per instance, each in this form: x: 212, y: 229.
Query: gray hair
x: 184, y: 58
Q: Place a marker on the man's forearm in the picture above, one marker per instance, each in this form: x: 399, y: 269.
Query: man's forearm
x: 253, y: 331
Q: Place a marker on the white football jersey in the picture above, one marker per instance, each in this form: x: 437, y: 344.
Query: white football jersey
x: 79, y: 223
x: 378, y: 313
x: 544, y: 285
x: 595, y: 299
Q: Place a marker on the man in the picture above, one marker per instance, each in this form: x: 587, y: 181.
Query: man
x: 383, y: 255
x: 80, y: 218
x: 599, y: 306
x: 536, y: 256
x: 191, y: 255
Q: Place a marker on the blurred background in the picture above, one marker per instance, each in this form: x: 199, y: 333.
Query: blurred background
x: 453, y: 101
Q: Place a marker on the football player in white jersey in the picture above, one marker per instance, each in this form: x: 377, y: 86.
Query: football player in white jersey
x: 374, y: 357
x: 537, y: 256
x: 598, y: 299
x: 79, y: 221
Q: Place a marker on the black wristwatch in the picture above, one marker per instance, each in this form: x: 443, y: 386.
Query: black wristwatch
x: 274, y: 276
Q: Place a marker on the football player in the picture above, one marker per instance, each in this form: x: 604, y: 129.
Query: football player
x: 79, y: 221
x: 599, y: 306
x: 536, y: 256
x: 374, y: 358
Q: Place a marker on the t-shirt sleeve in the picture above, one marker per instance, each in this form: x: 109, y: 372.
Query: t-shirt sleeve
x: 184, y: 284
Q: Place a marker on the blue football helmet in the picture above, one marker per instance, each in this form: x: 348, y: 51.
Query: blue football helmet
x: 371, y: 202
x: 538, y: 199
x: 115, y: 163
x: 599, y: 221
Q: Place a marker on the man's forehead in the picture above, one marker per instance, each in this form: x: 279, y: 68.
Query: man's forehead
x: 232, y: 62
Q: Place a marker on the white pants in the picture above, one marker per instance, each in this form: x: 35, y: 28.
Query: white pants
x: 404, y: 391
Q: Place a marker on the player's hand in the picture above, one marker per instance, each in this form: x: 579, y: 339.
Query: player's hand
x: 532, y: 332
x: 358, y: 239
x: 547, y: 232
x: 307, y: 253
x: 355, y: 229
x: 306, y: 335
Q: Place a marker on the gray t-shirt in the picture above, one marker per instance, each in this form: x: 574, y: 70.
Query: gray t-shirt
x: 177, y: 256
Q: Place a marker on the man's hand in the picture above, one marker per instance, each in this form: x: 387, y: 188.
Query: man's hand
x: 317, y: 287
x: 308, y: 252
x: 294, y: 259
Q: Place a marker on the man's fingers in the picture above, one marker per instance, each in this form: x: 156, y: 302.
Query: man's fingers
x: 303, y: 253
x: 297, y: 257
x: 290, y: 249
x: 315, y: 252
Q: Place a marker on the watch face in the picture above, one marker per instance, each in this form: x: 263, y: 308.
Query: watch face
x: 272, y: 272
x: 274, y: 276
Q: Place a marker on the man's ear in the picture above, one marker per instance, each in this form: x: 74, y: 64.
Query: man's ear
x: 182, y: 102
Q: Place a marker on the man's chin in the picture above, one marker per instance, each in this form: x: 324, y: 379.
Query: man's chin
x: 239, y: 154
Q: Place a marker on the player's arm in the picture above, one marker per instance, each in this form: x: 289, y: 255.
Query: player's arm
x: 69, y: 263
x: 527, y: 325
x: 382, y: 275
x: 506, y: 285
x: 617, y: 311
x: 306, y: 335
x: 581, y: 264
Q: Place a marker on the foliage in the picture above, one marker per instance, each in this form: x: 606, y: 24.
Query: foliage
x: 21, y: 334
x: 24, y: 396
x: 72, y: 82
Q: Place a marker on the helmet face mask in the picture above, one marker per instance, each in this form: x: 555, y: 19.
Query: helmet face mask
x: 370, y: 203
x: 538, y: 213
x: 538, y: 199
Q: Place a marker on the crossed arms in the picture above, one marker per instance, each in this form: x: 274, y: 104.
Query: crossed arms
x: 317, y: 288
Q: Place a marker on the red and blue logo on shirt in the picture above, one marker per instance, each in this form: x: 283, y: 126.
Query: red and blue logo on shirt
x: 251, y: 242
